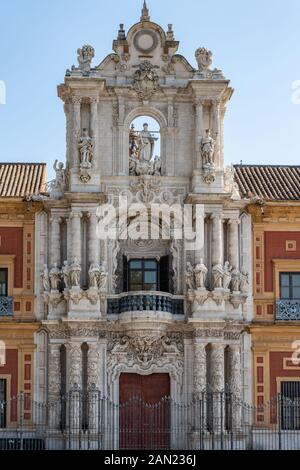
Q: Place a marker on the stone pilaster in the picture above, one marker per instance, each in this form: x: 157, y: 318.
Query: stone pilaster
x: 74, y: 375
x: 54, y: 384
x: 217, y: 239
x: 94, y: 242
x: 217, y: 382
x: 200, y: 379
x: 233, y: 245
x: 199, y: 131
x: 235, y: 383
x: 55, y: 240
x: 93, y: 384
x: 76, y: 235
x: 216, y: 129
x: 76, y: 101
x: 200, y: 230
x: 94, y: 130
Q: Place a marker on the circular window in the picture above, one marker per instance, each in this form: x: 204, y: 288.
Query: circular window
x: 145, y: 41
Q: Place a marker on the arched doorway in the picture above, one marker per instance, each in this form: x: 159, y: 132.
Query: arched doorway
x: 145, y: 418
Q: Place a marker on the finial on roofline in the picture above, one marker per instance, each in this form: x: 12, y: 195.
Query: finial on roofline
x: 145, y: 12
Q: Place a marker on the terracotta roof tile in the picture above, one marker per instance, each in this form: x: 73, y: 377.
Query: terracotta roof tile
x: 278, y: 183
x: 22, y: 179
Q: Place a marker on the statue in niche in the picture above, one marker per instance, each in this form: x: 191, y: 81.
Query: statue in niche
x: 60, y: 176
x: 45, y: 279
x: 94, y: 275
x: 85, y: 57
x: 235, y: 280
x: 200, y: 272
x: 75, y: 271
x: 66, y: 274
x: 207, y: 147
x: 227, y: 275
x: 244, y: 282
x: 86, y: 149
x: 54, y: 276
x: 189, y: 276
x: 103, y: 276
x: 217, y: 274
x: 141, y: 153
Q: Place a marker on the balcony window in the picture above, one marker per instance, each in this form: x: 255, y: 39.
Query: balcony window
x: 146, y: 275
x: 290, y: 405
x: 290, y: 286
x: 3, y: 282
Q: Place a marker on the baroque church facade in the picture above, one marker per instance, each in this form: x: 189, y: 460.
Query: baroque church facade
x: 134, y: 314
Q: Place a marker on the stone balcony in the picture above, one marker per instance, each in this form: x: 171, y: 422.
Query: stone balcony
x: 288, y: 310
x: 6, y: 306
x: 145, y: 301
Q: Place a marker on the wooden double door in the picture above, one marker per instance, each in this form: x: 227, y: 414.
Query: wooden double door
x: 144, y: 419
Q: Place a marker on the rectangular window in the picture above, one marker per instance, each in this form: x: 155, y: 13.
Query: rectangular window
x: 290, y: 286
x: 3, y: 399
x: 143, y: 275
x: 3, y: 282
x: 290, y: 405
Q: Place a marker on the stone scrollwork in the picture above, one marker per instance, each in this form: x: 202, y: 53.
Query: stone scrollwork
x: 146, y: 187
x: 146, y: 80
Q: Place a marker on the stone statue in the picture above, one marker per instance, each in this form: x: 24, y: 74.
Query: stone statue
x: 244, y: 282
x: 134, y: 148
x: 226, y: 275
x: 103, y: 276
x: 147, y: 144
x: 157, y: 166
x: 235, y: 280
x: 189, y: 276
x: 85, y: 57
x: 217, y: 273
x: 75, y: 271
x: 45, y: 279
x: 66, y: 274
x: 60, y: 175
x: 204, y: 59
x: 200, y: 272
x: 86, y: 149
x: 207, y: 147
x: 94, y: 275
x: 54, y: 276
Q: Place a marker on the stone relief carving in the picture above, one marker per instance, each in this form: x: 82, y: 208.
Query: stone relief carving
x: 145, y: 188
x: 199, y: 368
x: 146, y: 80
x: 85, y: 57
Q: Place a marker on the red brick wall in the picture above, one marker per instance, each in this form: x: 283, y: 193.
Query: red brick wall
x: 275, y: 247
x: 276, y: 370
x: 12, y: 244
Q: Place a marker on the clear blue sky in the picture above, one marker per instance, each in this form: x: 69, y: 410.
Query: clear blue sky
x: 255, y: 43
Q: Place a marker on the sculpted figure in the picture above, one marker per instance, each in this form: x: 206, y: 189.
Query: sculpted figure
x: 217, y: 273
x: 85, y: 57
x: 189, y: 276
x: 207, y: 147
x: 45, y: 279
x: 66, y: 274
x: 86, y: 149
x: 60, y: 175
x: 147, y: 144
x: 94, y: 275
x: 244, y: 282
x: 103, y: 276
x: 226, y: 275
x: 75, y: 271
x: 200, y: 272
x: 204, y: 59
x: 54, y: 277
x: 235, y: 280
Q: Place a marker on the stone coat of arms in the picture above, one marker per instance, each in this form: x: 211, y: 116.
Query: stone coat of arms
x: 146, y: 80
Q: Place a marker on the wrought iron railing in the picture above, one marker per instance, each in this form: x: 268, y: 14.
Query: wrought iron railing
x: 145, y: 301
x: 89, y: 421
x: 288, y: 310
x: 6, y: 306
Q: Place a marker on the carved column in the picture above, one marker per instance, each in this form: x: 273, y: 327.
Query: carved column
x: 235, y: 383
x: 217, y: 238
x: 55, y: 240
x: 200, y: 221
x: 199, y: 131
x: 75, y: 384
x: 233, y: 245
x: 54, y: 380
x: 68, y: 114
x: 76, y: 100
x: 199, y: 368
x: 76, y: 235
x: 94, y: 242
x: 217, y: 382
x: 94, y: 130
x: 216, y: 129
x: 93, y: 385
